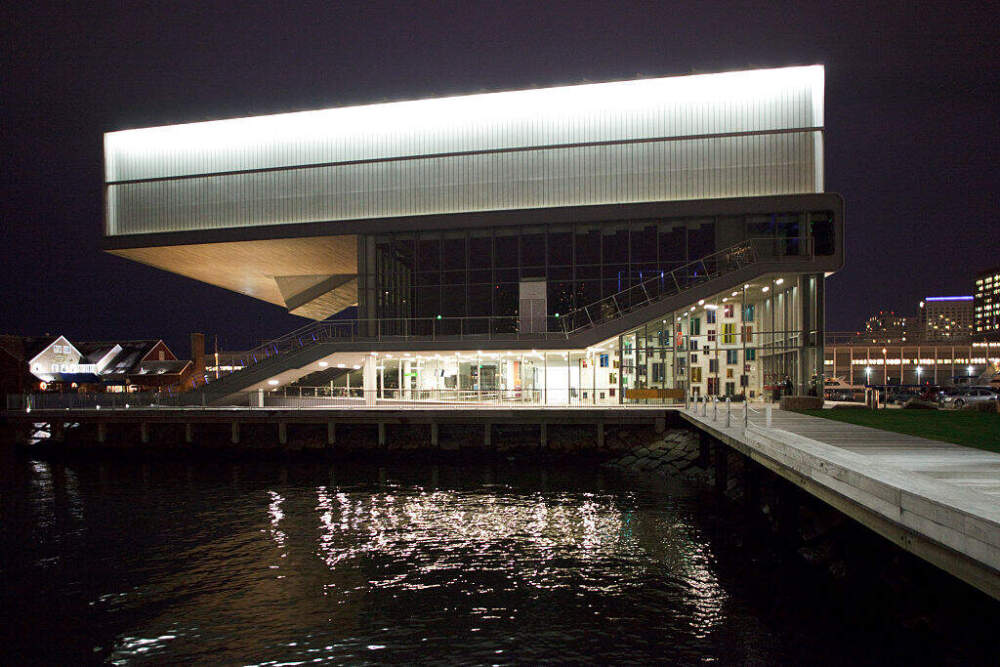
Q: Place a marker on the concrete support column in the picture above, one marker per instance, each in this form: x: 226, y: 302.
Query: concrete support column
x: 144, y: 432
x: 235, y: 438
x: 600, y: 436
x: 488, y: 435
x: 282, y: 433
x: 331, y: 433
x: 369, y: 380
x: 188, y: 434
x: 751, y: 483
x: 381, y: 434
x: 544, y: 435
x: 102, y: 432
x: 721, y: 467
x: 704, y: 449
x: 435, y: 434
x: 660, y: 425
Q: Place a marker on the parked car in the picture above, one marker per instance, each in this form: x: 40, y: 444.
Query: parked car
x: 969, y: 396
x: 930, y: 392
x: 901, y: 396
x: 837, y: 389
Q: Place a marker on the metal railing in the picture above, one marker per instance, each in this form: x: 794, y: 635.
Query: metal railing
x: 684, y: 278
x: 335, y: 398
x: 490, y: 328
x: 732, y: 414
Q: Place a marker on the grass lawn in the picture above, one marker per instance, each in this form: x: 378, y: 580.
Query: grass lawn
x: 963, y: 427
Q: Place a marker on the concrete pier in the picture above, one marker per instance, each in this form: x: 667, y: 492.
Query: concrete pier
x: 938, y: 501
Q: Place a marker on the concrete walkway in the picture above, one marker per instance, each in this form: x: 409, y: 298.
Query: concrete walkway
x: 974, y: 469
x: 937, y: 500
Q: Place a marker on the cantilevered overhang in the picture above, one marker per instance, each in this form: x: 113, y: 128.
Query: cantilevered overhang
x: 313, y: 276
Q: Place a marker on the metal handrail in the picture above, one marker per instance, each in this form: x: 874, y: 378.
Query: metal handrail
x: 685, y: 277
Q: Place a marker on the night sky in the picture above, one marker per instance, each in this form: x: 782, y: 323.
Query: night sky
x: 912, y: 127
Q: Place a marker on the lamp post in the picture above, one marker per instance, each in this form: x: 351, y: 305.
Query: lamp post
x: 868, y: 383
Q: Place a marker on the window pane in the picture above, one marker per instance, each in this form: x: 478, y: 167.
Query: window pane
x: 644, y: 244
x: 560, y: 250
x: 588, y: 245
x: 454, y: 252
x: 429, y: 254
x: 506, y: 250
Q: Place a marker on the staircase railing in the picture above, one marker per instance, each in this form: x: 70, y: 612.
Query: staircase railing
x: 671, y: 283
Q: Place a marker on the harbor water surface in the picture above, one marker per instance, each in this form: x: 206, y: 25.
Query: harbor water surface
x: 294, y: 563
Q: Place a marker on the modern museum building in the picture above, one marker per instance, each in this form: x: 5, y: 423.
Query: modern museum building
x: 639, y: 241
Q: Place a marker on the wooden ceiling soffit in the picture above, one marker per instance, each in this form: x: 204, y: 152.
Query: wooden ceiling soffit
x: 329, y: 302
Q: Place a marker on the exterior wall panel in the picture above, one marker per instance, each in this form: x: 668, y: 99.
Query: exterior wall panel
x: 722, y: 135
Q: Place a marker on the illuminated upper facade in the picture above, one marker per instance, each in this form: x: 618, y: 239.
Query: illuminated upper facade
x: 735, y: 134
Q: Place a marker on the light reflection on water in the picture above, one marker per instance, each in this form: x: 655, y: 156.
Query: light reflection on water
x: 254, y: 565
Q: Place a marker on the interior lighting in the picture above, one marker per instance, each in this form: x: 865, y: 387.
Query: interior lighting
x: 272, y: 382
x: 734, y: 294
x: 323, y: 364
x: 711, y: 306
x: 341, y: 365
x: 701, y: 302
x: 779, y: 281
x: 765, y: 289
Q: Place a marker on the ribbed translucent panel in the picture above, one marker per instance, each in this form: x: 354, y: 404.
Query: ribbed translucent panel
x: 719, y: 135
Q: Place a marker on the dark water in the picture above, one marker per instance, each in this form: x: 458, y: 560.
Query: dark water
x: 290, y: 564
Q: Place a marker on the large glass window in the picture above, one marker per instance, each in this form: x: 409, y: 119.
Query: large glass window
x: 476, y: 272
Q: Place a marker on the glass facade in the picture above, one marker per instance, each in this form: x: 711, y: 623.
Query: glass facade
x: 476, y: 273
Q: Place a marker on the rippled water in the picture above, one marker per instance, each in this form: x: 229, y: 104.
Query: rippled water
x: 288, y: 564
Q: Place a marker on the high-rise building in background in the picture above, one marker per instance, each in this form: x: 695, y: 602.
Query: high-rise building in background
x: 946, y: 317
x: 888, y: 326
x: 986, y: 305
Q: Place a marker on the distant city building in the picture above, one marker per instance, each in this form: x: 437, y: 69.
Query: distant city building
x: 888, y: 326
x: 945, y: 318
x: 986, y: 305
x: 857, y: 361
